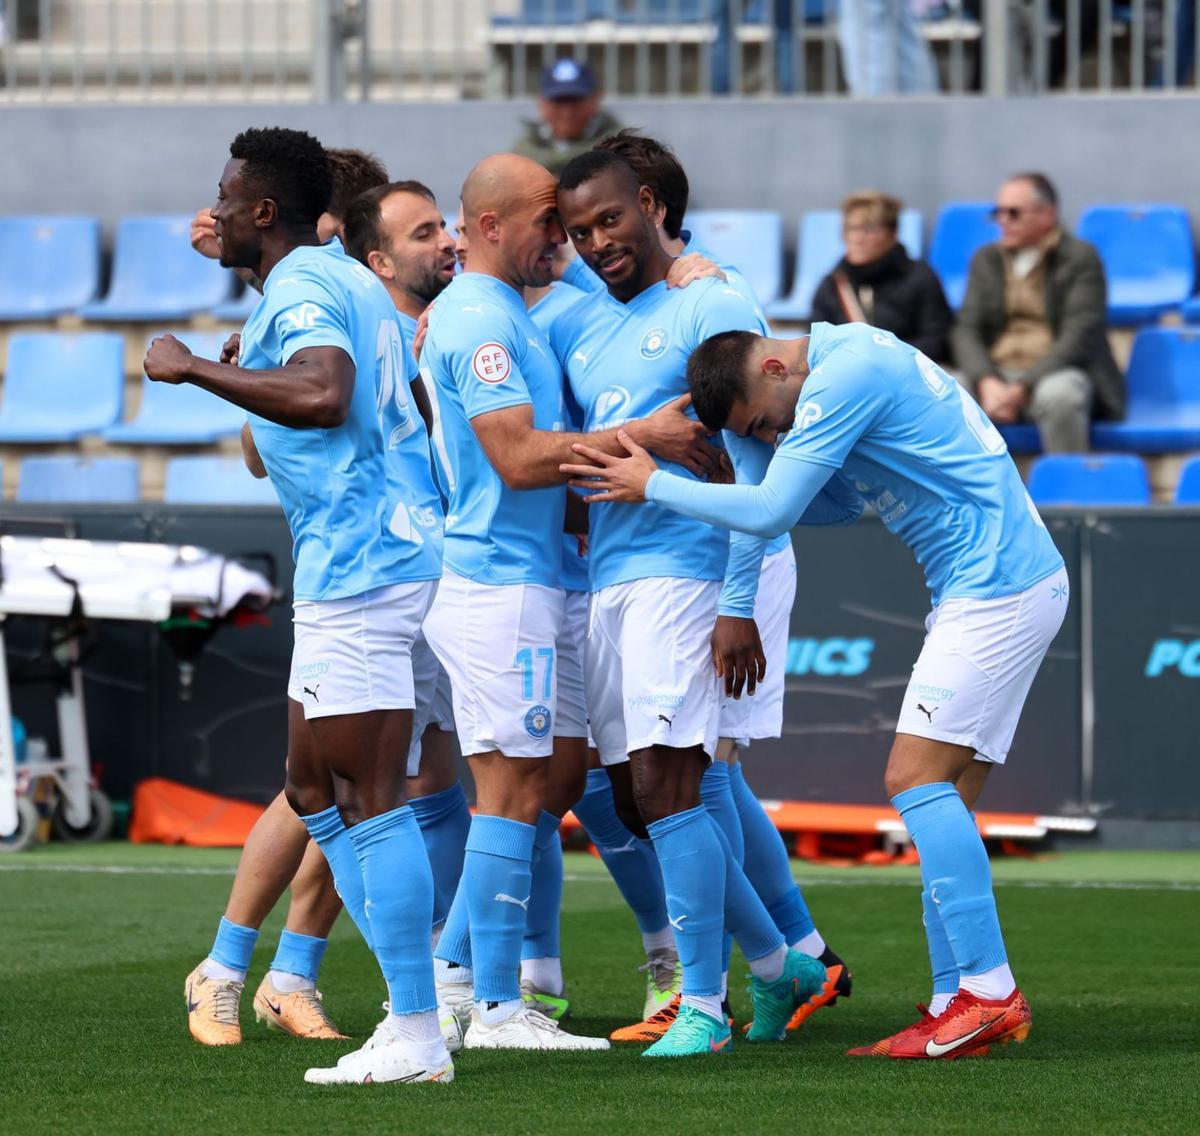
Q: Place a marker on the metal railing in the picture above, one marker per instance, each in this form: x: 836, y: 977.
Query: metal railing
x: 319, y: 50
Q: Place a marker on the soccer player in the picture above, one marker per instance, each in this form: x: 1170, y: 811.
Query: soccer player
x: 397, y: 231
x: 866, y: 417
x: 367, y: 562
x: 498, y: 404
x: 655, y: 579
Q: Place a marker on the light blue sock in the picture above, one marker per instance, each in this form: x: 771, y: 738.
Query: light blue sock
x: 717, y: 797
x: 941, y: 957
x: 545, y: 895
x: 299, y: 954
x: 233, y: 945
x: 745, y: 915
x: 497, y: 879
x: 399, y: 905
x: 631, y: 862
x: 331, y: 835
x: 454, y: 945
x: 956, y: 873
x: 444, y: 819
x: 766, y: 863
x: 693, y: 870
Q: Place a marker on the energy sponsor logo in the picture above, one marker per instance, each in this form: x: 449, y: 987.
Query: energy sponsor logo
x: 655, y: 701
x: 1174, y: 655
x: 311, y: 670
x: 837, y: 656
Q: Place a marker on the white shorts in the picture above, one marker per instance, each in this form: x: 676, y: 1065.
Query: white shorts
x: 761, y: 716
x: 977, y: 665
x: 433, y: 700
x: 498, y: 645
x: 353, y: 655
x: 649, y: 673
x: 571, y: 717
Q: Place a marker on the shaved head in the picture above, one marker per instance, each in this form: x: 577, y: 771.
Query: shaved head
x: 510, y: 213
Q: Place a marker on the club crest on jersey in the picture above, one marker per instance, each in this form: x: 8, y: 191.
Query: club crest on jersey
x: 612, y: 407
x: 491, y: 363
x: 809, y: 413
x: 654, y: 343
x: 537, y: 722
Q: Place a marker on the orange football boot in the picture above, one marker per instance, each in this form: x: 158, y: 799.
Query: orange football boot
x: 652, y: 1028
x: 300, y: 1013
x: 968, y: 1028
x: 212, y: 1008
x: 921, y: 1030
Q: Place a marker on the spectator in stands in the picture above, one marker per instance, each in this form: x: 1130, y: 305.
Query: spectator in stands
x: 1031, y: 336
x: 883, y: 50
x: 877, y: 282
x: 570, y: 118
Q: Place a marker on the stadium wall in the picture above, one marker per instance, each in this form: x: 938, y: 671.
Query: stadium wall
x: 788, y: 156
x: 1109, y: 730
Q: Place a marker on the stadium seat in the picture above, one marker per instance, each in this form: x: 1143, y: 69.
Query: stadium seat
x: 58, y: 387
x: 62, y: 478
x: 1163, y: 405
x: 1089, y: 479
x: 1021, y: 438
x: 1191, y: 310
x: 51, y: 265
x: 183, y: 414
x: 749, y: 239
x: 239, y: 308
x: 1148, y: 258
x: 211, y: 480
x: 820, y: 248
x: 962, y: 228
x: 157, y: 275
x: 1187, y: 489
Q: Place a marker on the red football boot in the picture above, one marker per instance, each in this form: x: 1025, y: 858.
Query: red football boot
x: 968, y: 1027
x: 907, y: 1037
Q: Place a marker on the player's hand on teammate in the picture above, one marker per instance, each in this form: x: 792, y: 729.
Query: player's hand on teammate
x: 675, y: 437
x: 204, y: 235
x: 232, y: 348
x: 167, y: 360
x: 689, y: 268
x: 422, y: 330
x: 611, y: 478
x: 738, y: 656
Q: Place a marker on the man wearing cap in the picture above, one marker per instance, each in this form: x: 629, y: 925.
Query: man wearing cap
x: 570, y: 119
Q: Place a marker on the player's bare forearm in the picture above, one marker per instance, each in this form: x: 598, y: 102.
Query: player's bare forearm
x: 312, y: 391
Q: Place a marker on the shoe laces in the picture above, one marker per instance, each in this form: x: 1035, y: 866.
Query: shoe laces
x: 313, y: 1001
x: 226, y: 1002
x: 667, y: 1014
x: 689, y: 1024
x: 661, y: 968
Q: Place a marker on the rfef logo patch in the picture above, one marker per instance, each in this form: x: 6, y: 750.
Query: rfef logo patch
x: 537, y: 722
x: 654, y: 343
x: 491, y: 363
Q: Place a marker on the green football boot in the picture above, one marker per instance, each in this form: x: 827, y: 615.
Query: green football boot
x: 776, y: 1002
x: 554, y: 1006
x: 693, y: 1032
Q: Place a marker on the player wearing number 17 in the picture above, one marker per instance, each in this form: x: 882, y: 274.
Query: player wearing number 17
x: 859, y: 415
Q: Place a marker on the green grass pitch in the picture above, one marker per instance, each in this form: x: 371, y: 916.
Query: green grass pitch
x: 95, y: 944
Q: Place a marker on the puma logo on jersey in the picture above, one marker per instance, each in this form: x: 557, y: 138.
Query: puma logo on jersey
x: 677, y: 922
x: 523, y: 904
x: 313, y: 692
x: 928, y: 713
x: 581, y: 357
x: 669, y: 721
x: 629, y: 846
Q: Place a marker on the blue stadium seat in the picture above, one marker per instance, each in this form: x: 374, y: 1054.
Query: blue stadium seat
x: 61, y: 478
x: 51, y: 265
x: 1163, y: 406
x: 1191, y: 310
x: 820, y: 248
x: 534, y: 12
x: 157, y: 275
x: 962, y: 228
x: 749, y: 239
x: 1148, y: 258
x: 1021, y: 438
x: 664, y: 11
x: 183, y: 414
x: 58, y: 387
x: 210, y: 480
x: 1089, y: 479
x: 1187, y: 490
x: 239, y: 308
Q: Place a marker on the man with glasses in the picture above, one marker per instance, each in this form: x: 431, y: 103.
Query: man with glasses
x: 1031, y: 336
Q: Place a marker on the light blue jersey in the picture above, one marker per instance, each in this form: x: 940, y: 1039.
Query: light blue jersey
x: 914, y: 444
x: 412, y: 466
x: 356, y: 523
x: 550, y: 307
x: 625, y: 361
x: 483, y: 353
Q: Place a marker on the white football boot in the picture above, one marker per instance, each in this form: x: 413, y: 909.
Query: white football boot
x: 526, y: 1029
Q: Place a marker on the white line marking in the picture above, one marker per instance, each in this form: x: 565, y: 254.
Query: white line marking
x: 803, y: 881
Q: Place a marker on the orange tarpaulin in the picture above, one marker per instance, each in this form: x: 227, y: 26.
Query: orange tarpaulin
x: 165, y: 812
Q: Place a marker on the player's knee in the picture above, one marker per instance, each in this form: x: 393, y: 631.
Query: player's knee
x: 304, y: 799
x: 896, y: 779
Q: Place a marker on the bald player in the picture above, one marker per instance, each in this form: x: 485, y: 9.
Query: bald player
x: 497, y: 394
